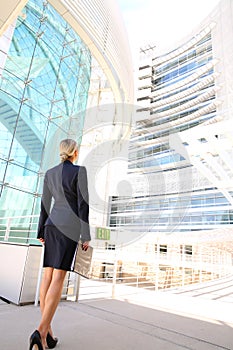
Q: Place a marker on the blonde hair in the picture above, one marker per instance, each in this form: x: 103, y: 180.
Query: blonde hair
x: 67, y: 149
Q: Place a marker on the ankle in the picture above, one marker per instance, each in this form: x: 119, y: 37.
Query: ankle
x: 50, y: 330
x: 43, y: 332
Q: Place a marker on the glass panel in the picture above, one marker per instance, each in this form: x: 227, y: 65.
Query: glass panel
x: 15, y: 203
x: 17, y: 218
x: 21, y: 178
x: 51, y: 150
x: 3, y: 164
x: 9, y: 109
x: 45, y: 81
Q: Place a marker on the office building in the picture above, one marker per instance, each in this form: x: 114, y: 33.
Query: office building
x: 180, y: 155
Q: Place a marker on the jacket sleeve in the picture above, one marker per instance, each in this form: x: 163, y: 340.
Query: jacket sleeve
x: 45, y: 208
x: 83, y: 204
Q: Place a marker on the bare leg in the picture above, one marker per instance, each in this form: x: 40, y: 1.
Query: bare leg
x: 51, y: 301
x: 46, y: 281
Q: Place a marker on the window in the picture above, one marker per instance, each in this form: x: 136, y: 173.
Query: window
x: 109, y: 246
x: 187, y: 249
x: 162, y: 248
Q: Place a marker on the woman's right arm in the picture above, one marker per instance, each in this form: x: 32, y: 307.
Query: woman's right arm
x: 45, y: 209
x: 83, y: 206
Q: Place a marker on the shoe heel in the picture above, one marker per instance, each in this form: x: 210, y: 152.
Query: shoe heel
x: 35, y: 341
x: 51, y: 342
x: 34, y: 347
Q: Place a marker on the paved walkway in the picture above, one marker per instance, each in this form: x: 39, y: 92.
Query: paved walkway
x: 220, y: 289
x: 143, y: 321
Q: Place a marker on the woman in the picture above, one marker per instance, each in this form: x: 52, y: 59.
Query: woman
x: 59, y: 230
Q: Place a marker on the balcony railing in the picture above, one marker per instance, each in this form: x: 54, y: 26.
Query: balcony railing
x: 124, y: 269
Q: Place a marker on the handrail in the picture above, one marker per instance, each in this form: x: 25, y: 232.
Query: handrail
x: 120, y: 269
x: 9, y: 227
x: 18, y: 217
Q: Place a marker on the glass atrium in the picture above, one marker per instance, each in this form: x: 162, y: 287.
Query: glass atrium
x: 43, y: 95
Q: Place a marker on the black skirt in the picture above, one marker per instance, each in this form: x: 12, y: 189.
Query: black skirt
x: 59, y: 249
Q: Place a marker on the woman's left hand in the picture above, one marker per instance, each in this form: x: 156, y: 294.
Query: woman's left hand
x: 85, y: 245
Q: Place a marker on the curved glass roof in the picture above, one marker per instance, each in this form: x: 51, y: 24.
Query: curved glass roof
x: 44, y: 87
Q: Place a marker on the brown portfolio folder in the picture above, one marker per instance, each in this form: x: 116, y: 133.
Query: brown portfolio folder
x: 82, y: 261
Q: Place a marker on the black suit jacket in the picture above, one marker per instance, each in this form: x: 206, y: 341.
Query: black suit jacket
x: 66, y: 184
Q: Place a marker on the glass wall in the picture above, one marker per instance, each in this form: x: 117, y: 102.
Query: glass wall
x: 43, y: 94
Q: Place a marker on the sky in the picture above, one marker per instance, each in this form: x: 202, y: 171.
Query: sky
x: 162, y: 22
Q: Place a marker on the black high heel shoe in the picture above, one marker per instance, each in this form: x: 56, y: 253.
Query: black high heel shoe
x: 51, y: 342
x: 35, y: 339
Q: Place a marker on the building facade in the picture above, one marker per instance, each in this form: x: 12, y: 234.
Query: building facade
x: 47, y: 50
x: 180, y: 155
